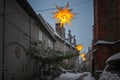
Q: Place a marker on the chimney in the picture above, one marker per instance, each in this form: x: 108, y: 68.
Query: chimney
x: 60, y: 30
x: 74, y: 40
x: 63, y: 33
x: 69, y: 36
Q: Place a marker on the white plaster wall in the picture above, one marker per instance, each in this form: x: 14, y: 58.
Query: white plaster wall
x: 45, y: 39
x: 17, y: 35
x: 34, y: 31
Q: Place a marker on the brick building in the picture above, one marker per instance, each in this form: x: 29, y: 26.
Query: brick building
x: 106, y: 32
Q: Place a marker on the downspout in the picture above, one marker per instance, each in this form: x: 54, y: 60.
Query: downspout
x: 4, y: 11
x: 30, y: 31
x: 93, y: 55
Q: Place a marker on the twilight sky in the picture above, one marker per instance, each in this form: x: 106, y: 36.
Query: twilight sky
x: 81, y: 26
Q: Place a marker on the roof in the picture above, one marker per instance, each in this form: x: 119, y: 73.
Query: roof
x: 94, y: 50
x: 63, y: 40
x: 103, y: 42
x: 46, y: 25
x: 57, y: 35
x: 114, y: 57
x: 70, y: 44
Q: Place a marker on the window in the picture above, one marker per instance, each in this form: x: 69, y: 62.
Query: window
x: 22, y: 66
x: 40, y: 35
x: 49, y: 43
x: 17, y: 52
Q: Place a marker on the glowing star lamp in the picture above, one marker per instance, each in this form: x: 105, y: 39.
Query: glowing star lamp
x: 79, y: 47
x: 82, y: 55
x: 84, y: 59
x: 64, y: 15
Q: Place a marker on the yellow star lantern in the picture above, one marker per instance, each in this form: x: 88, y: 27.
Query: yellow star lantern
x: 79, y: 47
x: 64, y: 15
x: 84, y: 59
x: 82, y: 55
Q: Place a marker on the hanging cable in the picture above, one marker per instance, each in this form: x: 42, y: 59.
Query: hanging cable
x: 75, y: 4
x: 48, y: 9
x: 45, y: 10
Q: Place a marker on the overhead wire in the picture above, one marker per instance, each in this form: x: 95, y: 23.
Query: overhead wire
x: 48, y: 9
x: 75, y: 4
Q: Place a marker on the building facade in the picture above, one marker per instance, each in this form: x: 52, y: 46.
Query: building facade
x: 105, y: 32
x: 21, y: 28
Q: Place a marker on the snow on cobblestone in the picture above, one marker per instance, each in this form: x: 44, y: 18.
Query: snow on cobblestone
x: 69, y: 76
x: 88, y: 77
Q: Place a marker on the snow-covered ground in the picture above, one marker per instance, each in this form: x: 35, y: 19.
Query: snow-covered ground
x: 110, y: 76
x: 69, y: 76
x: 88, y: 77
x: 74, y: 76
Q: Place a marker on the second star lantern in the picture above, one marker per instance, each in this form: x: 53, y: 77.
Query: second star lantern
x: 79, y: 47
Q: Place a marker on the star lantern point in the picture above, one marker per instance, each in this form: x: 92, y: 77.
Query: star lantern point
x: 64, y: 15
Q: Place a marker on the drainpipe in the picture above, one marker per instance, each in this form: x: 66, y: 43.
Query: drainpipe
x: 4, y: 4
x: 30, y: 31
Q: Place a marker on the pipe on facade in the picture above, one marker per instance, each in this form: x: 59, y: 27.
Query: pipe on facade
x: 4, y: 11
x: 30, y: 31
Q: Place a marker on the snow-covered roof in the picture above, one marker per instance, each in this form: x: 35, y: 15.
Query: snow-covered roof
x: 49, y: 28
x: 114, y: 57
x: 46, y: 25
x: 94, y: 50
x: 70, y: 44
x: 63, y: 40
x: 117, y: 41
x: 91, y: 58
x: 59, y: 36
x: 103, y: 42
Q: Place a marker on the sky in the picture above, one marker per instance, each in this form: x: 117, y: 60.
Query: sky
x: 82, y: 25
